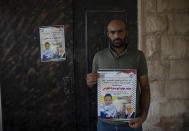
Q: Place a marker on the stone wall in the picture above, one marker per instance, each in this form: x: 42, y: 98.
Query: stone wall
x: 164, y: 38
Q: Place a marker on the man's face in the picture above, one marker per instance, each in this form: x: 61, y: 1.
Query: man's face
x: 123, y: 108
x: 117, y: 33
x: 108, y: 100
x: 129, y: 109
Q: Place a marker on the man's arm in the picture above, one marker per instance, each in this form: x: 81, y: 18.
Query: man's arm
x: 145, y: 96
x: 144, y: 102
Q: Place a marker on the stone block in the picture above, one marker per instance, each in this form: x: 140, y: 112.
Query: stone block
x: 158, y: 70
x: 156, y: 24
x: 177, y: 89
x: 173, y: 5
x: 155, y: 129
x: 149, y: 127
x: 157, y: 89
x: 178, y: 24
x: 174, y: 47
x: 172, y: 123
x: 174, y: 107
x: 150, y: 124
x: 179, y: 69
x: 154, y: 108
x: 150, y: 6
x: 152, y: 47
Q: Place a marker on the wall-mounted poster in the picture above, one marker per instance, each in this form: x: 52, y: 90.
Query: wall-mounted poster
x: 52, y: 43
x: 117, y: 95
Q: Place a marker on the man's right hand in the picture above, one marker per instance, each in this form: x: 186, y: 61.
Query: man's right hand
x: 91, y: 79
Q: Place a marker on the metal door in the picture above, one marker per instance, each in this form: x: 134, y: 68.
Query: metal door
x: 36, y: 96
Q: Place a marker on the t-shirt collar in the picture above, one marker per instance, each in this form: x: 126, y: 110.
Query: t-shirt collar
x: 114, y: 54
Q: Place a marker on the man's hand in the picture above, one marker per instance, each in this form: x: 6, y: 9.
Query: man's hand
x: 91, y: 79
x: 136, y: 123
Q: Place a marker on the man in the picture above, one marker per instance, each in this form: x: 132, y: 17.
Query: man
x: 59, y: 53
x: 130, y: 112
x: 118, y: 56
x: 122, y: 112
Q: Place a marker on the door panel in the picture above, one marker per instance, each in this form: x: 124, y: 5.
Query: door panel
x: 36, y: 96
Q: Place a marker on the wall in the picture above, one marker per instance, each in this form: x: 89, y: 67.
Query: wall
x: 164, y: 38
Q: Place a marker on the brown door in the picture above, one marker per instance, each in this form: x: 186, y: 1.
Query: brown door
x: 90, y: 19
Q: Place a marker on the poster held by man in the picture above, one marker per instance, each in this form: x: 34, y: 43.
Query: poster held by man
x: 117, y: 95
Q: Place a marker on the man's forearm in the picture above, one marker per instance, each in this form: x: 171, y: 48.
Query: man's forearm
x: 145, y: 102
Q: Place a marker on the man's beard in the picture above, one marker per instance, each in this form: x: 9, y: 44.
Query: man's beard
x: 120, y: 44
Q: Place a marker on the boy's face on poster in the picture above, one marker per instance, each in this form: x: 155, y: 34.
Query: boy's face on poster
x: 47, y: 46
x: 108, y: 100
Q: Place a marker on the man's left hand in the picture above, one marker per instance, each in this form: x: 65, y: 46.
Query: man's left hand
x: 135, y: 123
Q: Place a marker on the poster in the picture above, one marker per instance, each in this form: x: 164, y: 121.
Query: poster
x: 52, y: 43
x: 117, y: 94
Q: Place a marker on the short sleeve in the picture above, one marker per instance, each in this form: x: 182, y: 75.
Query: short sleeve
x: 95, y: 64
x: 142, y: 65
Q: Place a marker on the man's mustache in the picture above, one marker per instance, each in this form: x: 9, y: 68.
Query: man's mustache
x: 117, y: 39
